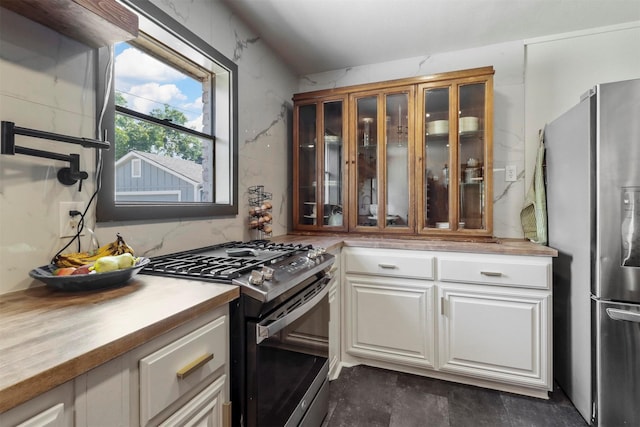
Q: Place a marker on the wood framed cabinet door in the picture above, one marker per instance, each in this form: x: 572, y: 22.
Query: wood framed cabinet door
x: 455, y: 151
x: 382, y: 194
x: 320, y: 165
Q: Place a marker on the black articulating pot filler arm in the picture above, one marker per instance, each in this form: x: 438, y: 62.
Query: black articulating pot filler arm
x: 67, y: 176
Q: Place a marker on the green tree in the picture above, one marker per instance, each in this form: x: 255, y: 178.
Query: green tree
x: 134, y: 134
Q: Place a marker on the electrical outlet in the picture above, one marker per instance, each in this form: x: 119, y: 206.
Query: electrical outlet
x: 68, y: 223
x: 510, y: 173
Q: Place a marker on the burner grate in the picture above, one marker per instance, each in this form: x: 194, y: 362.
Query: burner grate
x: 199, y: 263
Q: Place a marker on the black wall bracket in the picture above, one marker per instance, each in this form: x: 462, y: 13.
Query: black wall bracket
x: 66, y: 176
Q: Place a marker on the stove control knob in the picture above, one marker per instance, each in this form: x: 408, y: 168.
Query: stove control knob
x: 321, y: 251
x: 256, y: 278
x: 267, y: 272
x: 312, y: 254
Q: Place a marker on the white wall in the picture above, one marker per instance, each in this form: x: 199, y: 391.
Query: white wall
x: 560, y: 69
x: 47, y: 82
x: 535, y: 81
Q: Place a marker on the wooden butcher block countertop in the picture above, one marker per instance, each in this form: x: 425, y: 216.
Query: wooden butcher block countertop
x: 493, y: 246
x: 48, y: 337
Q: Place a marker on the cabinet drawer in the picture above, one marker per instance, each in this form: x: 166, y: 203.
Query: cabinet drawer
x: 175, y: 369
x: 389, y: 262
x: 529, y: 272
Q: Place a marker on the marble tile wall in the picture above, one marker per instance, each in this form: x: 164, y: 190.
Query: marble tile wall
x: 47, y: 82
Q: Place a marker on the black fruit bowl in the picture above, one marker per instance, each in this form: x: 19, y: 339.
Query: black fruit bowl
x: 87, y: 282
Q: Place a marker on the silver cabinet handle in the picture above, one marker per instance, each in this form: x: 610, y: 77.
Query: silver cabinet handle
x: 629, y: 316
x: 491, y: 273
x: 387, y: 266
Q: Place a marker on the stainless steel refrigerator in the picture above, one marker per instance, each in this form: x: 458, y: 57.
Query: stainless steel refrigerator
x: 593, y: 205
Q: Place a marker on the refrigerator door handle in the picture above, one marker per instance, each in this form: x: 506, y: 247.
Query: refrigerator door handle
x: 628, y: 316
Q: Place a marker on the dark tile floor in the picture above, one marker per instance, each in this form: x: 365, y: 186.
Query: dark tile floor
x: 372, y: 397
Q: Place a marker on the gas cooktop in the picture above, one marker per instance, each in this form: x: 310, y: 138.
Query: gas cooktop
x: 223, y: 262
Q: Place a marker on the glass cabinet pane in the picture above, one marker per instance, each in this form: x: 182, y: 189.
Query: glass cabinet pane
x: 397, y: 160
x: 367, y: 160
x: 333, y: 170
x: 307, y: 164
x: 471, y: 151
x: 436, y: 173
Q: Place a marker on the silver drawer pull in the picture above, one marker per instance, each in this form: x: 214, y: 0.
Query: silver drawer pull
x: 387, y: 266
x: 491, y: 273
x: 190, y: 368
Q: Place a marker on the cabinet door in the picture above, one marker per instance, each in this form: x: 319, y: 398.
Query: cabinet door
x: 92, y: 407
x: 500, y: 335
x: 454, y: 152
x: 474, y: 160
x: 204, y: 410
x: 382, y: 148
x: 334, y: 318
x: 390, y: 319
x: 51, y: 409
x: 319, y: 165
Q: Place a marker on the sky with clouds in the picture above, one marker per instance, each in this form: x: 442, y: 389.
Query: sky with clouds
x: 147, y: 83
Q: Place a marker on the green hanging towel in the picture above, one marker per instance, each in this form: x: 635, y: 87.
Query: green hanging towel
x: 533, y: 215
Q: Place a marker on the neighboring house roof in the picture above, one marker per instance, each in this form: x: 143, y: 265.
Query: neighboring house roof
x: 188, y: 169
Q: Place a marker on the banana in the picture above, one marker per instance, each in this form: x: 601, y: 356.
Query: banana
x: 77, y: 259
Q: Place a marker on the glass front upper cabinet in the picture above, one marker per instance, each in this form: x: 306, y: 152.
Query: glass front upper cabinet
x: 472, y: 156
x: 382, y: 154
x: 319, y: 166
x: 456, y: 157
x: 403, y: 157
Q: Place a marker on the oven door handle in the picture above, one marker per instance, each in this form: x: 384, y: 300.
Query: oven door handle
x: 272, y: 324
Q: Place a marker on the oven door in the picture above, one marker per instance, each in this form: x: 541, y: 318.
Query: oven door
x: 287, y: 361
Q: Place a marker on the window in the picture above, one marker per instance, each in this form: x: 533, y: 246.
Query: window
x: 171, y: 105
x: 135, y: 168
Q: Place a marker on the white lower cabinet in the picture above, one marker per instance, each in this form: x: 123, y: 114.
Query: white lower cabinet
x: 51, y: 409
x: 495, y: 333
x: 177, y: 379
x: 334, y: 319
x: 483, y: 319
x: 206, y: 409
x: 390, y: 319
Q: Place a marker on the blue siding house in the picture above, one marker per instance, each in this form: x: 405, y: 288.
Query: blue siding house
x: 146, y: 177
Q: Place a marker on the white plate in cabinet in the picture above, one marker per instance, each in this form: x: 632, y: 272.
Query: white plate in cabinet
x: 500, y: 335
x: 504, y: 270
x: 175, y: 369
x: 389, y: 262
x: 390, y: 320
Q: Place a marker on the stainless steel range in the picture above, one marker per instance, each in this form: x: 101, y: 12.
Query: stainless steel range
x: 279, y: 326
